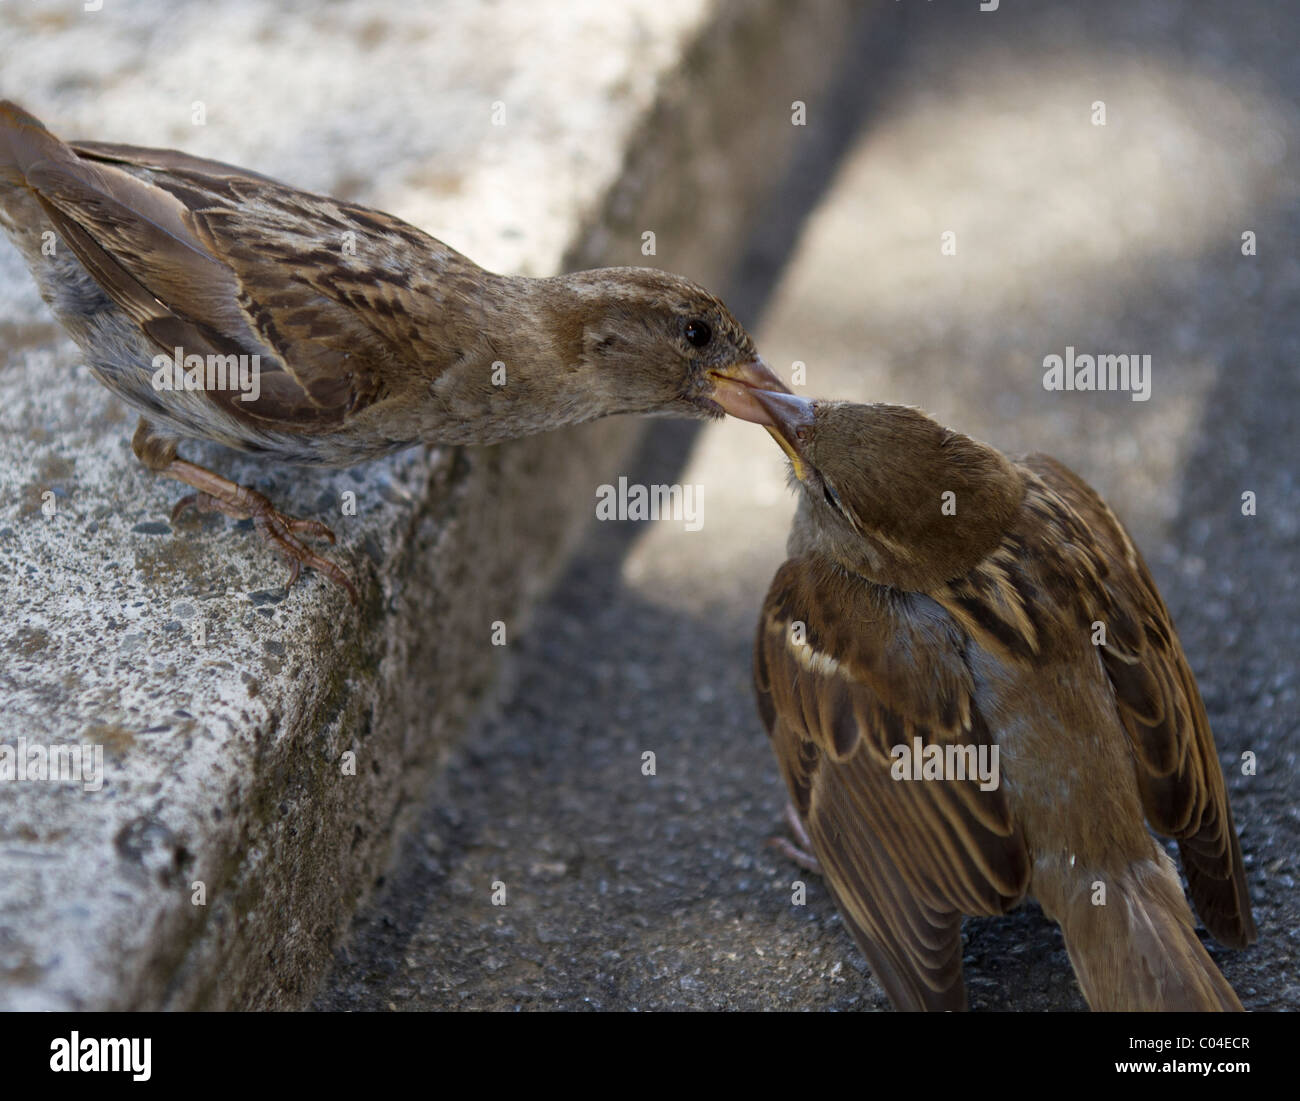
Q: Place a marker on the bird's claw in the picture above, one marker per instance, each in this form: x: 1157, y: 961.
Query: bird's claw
x: 277, y: 528
x: 799, y: 851
x: 191, y: 500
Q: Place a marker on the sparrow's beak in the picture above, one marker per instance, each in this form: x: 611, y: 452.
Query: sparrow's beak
x: 733, y: 387
x: 788, y: 420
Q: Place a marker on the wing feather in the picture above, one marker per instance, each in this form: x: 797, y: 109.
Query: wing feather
x: 904, y: 860
x: 221, y: 261
x: 1181, y: 782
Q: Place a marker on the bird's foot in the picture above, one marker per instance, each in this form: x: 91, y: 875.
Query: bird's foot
x: 218, y: 494
x: 800, y: 851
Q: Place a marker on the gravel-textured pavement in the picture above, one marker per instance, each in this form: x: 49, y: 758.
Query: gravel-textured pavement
x: 630, y: 891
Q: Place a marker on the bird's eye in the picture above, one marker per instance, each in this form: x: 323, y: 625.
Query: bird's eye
x: 698, y: 333
x: 833, y: 499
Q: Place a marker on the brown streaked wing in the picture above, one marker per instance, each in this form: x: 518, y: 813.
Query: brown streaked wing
x: 1182, y: 785
x: 170, y: 160
x: 284, y: 249
x: 142, y: 239
x: 903, y: 859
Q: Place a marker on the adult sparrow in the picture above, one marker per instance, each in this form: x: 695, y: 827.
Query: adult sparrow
x: 225, y: 305
x: 945, y: 609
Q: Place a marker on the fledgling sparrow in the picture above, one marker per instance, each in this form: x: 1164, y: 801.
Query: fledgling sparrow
x: 369, y: 335
x: 937, y: 590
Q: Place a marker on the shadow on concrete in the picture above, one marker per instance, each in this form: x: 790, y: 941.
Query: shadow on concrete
x: 659, y: 892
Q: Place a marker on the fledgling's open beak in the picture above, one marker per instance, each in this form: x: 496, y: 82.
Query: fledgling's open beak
x: 734, y: 386
x: 788, y: 420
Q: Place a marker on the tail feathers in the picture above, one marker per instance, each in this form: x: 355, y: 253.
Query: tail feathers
x: 1216, y: 879
x: 132, y: 236
x: 24, y: 141
x: 121, y: 211
x: 1138, y: 950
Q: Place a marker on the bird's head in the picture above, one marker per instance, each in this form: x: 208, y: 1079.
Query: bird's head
x: 656, y: 343
x: 890, y: 494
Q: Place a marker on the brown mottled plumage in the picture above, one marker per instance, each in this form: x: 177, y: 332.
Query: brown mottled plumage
x: 371, y: 335
x: 895, y: 618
